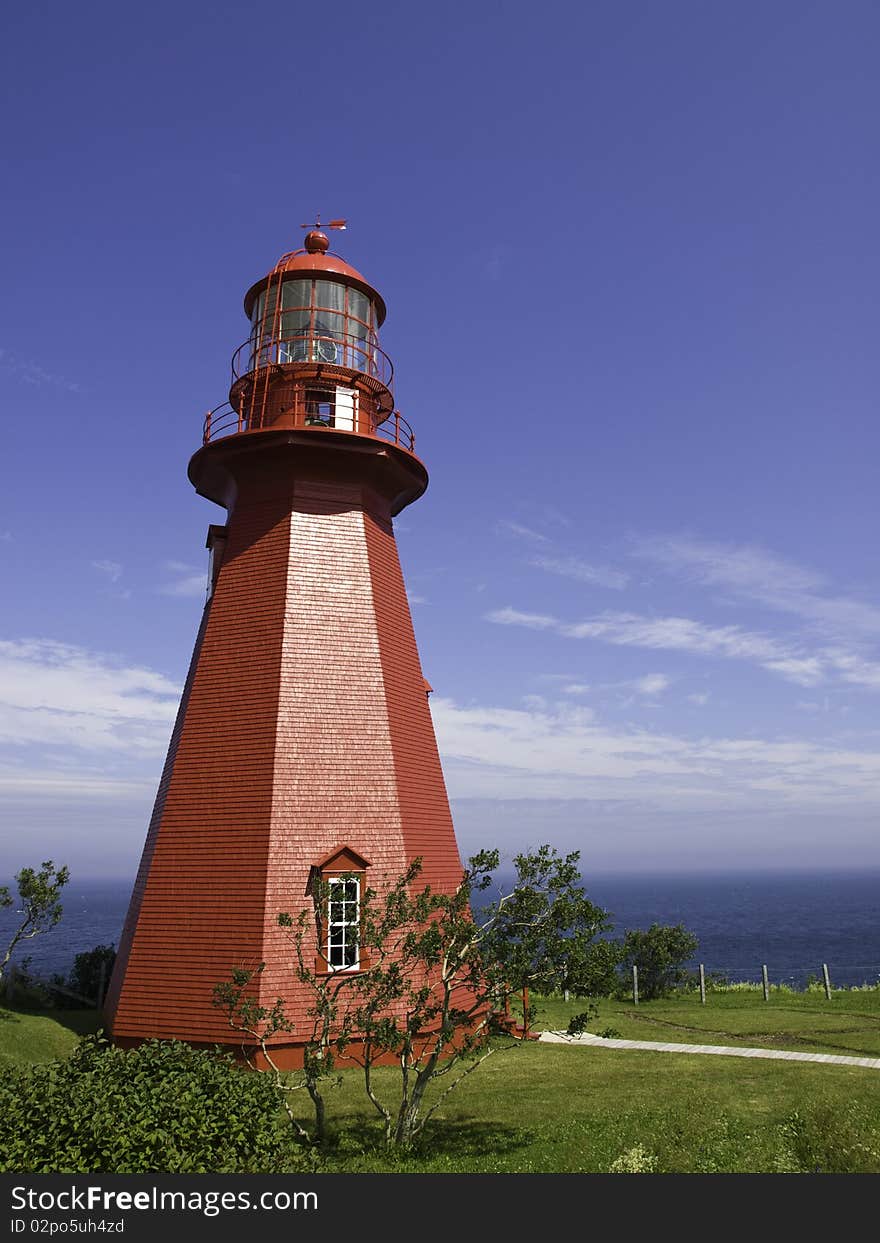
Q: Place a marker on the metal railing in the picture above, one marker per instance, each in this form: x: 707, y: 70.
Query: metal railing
x: 312, y: 409
x: 340, y: 350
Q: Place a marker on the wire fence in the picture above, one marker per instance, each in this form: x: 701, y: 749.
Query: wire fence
x: 760, y: 978
x: 852, y: 975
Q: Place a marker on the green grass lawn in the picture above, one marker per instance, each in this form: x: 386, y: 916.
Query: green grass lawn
x: 42, y: 1035
x: 801, y: 1022
x: 546, y: 1108
x: 549, y: 1108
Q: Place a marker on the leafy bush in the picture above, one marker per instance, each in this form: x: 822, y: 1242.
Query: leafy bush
x: 161, y: 1107
x: 660, y: 954
x: 91, y: 969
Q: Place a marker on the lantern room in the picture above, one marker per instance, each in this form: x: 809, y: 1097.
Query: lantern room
x: 312, y: 359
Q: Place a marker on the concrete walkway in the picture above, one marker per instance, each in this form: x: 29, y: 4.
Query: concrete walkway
x: 721, y: 1050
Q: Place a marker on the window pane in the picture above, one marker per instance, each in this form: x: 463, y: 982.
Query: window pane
x: 295, y: 323
x: 264, y: 312
x: 358, y: 306
x: 343, y: 907
x: 329, y: 295
x: 329, y: 325
x: 296, y: 294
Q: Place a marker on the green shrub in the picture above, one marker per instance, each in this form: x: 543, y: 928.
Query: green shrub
x: 161, y: 1107
x: 660, y: 954
x: 92, y: 969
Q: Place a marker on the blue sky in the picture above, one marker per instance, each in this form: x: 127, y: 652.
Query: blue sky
x: 629, y: 254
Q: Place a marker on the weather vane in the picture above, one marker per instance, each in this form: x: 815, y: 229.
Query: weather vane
x: 331, y: 224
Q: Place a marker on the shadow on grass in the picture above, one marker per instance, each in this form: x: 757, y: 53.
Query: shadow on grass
x: 82, y: 1022
x: 464, y: 1142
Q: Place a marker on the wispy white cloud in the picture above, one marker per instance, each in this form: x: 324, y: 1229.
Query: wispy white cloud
x: 789, y: 659
x: 186, y: 580
x: 652, y: 684
x: 752, y: 573
x: 854, y: 668
x: 560, y: 752
x: 514, y: 617
x: 56, y: 695
x: 701, y: 698
x: 682, y: 634
x: 504, y: 525
x: 30, y: 372
x: 112, y: 569
x: 50, y: 785
x: 581, y: 571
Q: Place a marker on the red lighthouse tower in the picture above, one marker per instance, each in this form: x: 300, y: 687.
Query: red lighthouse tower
x: 303, y: 743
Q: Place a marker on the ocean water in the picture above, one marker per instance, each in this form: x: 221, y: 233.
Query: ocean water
x: 793, y: 923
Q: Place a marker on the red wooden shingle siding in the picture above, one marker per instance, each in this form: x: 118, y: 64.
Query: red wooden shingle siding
x: 306, y: 725
x: 334, y: 768
x: 203, y: 901
x: 111, y: 1000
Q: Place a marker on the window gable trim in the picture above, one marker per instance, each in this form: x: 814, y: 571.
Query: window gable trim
x: 342, y: 877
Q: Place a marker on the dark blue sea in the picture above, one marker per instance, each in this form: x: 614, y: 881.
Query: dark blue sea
x: 793, y: 923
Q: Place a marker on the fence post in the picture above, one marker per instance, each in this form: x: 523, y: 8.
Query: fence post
x: 827, y: 980
x: 702, y: 984
x: 765, y: 982
x: 635, y: 985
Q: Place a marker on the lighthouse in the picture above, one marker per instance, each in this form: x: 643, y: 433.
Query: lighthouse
x: 303, y: 745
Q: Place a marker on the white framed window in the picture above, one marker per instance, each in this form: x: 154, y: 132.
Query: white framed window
x: 343, y: 923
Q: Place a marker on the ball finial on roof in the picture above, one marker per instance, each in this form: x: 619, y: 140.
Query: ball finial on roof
x: 317, y: 243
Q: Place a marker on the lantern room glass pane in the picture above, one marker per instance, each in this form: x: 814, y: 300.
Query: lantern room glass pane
x: 329, y: 324
x: 359, y: 309
x: 329, y: 295
x: 264, y: 309
x: 295, y: 323
x: 296, y: 294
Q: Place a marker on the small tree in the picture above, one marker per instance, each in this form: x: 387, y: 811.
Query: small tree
x: 41, y: 909
x: 433, y: 983
x: 425, y: 999
x: 436, y: 981
x: 660, y: 954
x: 544, y: 934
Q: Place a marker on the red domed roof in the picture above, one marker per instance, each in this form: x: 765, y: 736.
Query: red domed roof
x: 315, y: 260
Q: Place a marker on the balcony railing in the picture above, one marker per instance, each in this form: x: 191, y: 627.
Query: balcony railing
x: 316, y: 410
x: 339, y: 350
